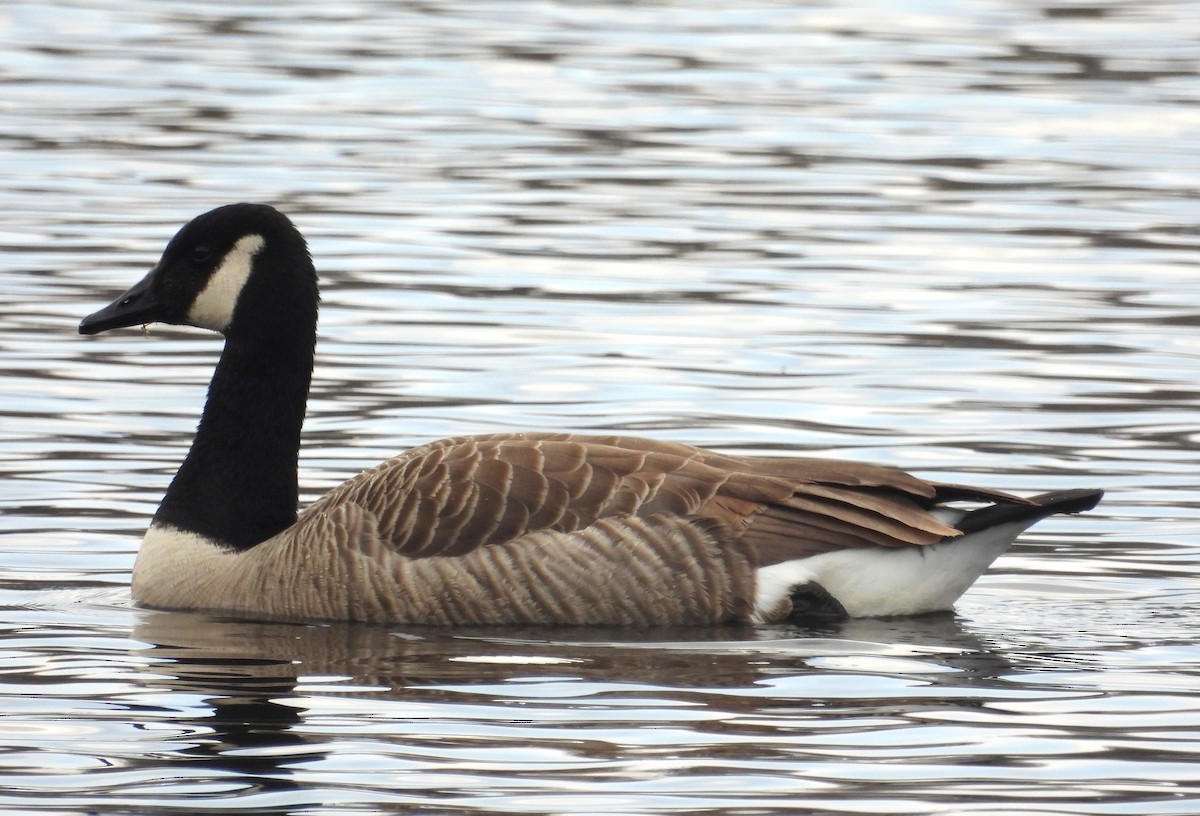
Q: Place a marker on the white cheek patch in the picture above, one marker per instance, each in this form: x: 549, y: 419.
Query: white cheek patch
x: 213, y: 307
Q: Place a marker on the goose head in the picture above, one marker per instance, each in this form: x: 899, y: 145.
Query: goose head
x: 242, y: 270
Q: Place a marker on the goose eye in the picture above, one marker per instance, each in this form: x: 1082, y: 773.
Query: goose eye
x: 201, y: 253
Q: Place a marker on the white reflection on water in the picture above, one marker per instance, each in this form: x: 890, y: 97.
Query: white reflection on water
x: 954, y: 237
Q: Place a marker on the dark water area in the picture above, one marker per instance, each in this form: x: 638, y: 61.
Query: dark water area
x: 959, y: 238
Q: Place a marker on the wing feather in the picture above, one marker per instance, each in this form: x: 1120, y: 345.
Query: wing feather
x: 454, y: 496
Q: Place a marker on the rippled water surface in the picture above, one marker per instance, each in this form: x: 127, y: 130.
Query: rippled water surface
x: 957, y: 237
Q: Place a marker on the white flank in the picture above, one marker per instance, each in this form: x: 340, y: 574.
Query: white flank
x: 775, y: 584
x: 878, y: 582
x: 213, y: 307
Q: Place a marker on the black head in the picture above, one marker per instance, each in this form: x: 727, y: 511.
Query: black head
x: 241, y: 269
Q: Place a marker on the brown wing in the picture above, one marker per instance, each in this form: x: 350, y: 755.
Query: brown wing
x: 453, y: 496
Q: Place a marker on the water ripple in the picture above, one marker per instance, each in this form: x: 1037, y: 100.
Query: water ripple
x: 957, y: 238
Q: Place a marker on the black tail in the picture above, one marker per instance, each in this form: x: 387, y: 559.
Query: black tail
x: 1047, y: 504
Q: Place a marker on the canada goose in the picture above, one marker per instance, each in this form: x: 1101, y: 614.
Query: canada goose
x: 511, y: 528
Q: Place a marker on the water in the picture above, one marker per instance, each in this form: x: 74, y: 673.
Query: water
x: 955, y: 237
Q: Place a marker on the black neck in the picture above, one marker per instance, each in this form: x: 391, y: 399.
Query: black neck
x: 238, y: 485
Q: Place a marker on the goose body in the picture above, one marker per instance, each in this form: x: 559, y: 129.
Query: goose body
x: 511, y: 528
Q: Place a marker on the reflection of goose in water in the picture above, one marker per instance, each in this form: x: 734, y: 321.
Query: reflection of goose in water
x: 511, y: 528
x: 264, y: 698
x: 199, y: 652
